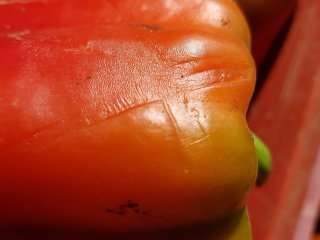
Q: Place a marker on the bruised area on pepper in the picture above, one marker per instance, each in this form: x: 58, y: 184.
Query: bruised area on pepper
x: 92, y: 117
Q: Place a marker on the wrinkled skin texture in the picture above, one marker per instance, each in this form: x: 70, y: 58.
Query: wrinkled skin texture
x: 121, y: 116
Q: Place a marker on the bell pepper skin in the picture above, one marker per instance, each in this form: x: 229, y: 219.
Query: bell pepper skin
x: 125, y: 116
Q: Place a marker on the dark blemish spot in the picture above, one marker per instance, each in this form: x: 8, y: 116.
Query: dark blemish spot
x: 133, y: 205
x: 77, y: 83
x: 152, y: 27
x: 110, y: 210
x: 145, y: 212
x: 147, y: 26
x: 225, y: 22
x: 182, y: 76
x: 129, y: 207
x: 88, y: 77
x: 185, y: 100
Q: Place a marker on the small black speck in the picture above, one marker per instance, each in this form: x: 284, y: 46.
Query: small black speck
x: 182, y: 76
x: 148, y: 26
x: 225, y: 22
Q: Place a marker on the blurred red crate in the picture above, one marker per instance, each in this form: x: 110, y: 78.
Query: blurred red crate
x: 286, y: 114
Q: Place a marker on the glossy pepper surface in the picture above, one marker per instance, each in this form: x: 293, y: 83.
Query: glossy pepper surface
x: 124, y: 116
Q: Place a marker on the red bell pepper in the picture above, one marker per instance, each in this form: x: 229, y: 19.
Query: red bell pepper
x: 125, y: 116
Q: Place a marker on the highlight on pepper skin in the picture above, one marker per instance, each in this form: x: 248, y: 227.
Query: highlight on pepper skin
x: 119, y: 117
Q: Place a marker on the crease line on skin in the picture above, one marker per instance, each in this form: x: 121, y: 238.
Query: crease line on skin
x: 33, y: 135
x: 17, y: 35
x: 171, y: 117
x: 180, y: 131
x: 216, y: 85
x: 191, y: 62
x: 132, y: 106
x: 216, y: 58
x: 203, y: 130
x: 224, y: 71
x: 235, y: 71
x: 198, y: 140
x: 113, y: 114
x: 67, y: 131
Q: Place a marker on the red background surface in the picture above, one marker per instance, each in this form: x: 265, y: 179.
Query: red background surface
x: 286, y: 114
